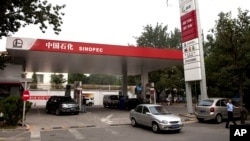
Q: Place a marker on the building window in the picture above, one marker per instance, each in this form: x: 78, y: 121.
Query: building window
x: 40, y: 78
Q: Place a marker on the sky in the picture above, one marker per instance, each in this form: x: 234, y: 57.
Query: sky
x: 118, y: 22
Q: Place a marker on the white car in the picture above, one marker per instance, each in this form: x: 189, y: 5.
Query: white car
x: 156, y: 117
x: 89, y: 101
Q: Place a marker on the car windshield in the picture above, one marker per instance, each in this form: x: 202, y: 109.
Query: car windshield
x: 159, y: 110
x: 114, y: 98
x: 66, y: 99
x: 206, y: 103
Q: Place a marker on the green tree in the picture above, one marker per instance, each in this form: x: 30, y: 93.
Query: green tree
x: 4, y: 58
x: 229, y: 56
x: 155, y: 37
x: 158, y: 37
x: 102, y: 79
x: 57, y: 80
x: 174, y: 39
x: 15, y: 14
x: 77, y: 77
x: 12, y: 108
x: 34, y: 81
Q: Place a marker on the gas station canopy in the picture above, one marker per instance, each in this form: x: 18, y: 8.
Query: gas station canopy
x: 42, y: 55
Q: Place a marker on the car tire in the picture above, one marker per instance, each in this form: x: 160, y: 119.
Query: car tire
x: 133, y: 122
x: 178, y: 131
x: 218, y: 118
x: 155, y: 128
x: 58, y: 112
x: 200, y: 119
x: 47, y: 110
x: 244, y: 114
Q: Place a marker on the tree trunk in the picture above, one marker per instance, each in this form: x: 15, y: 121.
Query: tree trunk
x: 242, y: 120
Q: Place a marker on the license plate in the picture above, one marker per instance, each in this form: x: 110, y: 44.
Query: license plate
x: 202, y: 111
x: 175, y: 126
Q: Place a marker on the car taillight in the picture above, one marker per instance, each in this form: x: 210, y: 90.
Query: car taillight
x: 212, y: 109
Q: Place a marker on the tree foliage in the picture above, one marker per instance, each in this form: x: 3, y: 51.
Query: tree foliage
x: 57, y: 80
x: 227, y: 63
x: 4, y: 58
x: 77, y: 77
x: 15, y: 14
x: 34, y: 81
x: 101, y: 79
x: 158, y: 37
x: 12, y: 108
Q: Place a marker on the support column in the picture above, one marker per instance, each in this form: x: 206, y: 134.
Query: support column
x: 144, y: 81
x: 124, y: 78
x: 203, y: 84
x: 189, y: 97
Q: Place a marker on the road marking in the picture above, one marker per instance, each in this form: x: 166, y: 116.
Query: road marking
x: 35, y: 136
x: 76, y: 134
x: 107, y: 118
x: 17, y: 137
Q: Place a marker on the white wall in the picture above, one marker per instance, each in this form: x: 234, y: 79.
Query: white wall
x: 46, y: 76
x: 39, y: 98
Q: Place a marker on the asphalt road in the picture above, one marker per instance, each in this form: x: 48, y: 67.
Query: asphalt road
x: 108, y: 124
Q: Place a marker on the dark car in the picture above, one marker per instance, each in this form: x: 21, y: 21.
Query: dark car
x: 62, y: 104
x: 131, y: 103
x: 111, y: 101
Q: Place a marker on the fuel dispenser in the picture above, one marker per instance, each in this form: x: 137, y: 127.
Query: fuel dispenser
x: 78, y: 97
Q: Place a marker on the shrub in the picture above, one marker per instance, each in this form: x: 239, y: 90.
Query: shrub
x: 12, y: 108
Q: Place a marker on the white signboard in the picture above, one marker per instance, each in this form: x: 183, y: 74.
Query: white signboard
x: 191, y: 60
x: 186, y: 6
x: 193, y: 74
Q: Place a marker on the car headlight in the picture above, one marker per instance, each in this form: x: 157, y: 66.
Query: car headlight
x: 164, y: 121
x: 65, y: 106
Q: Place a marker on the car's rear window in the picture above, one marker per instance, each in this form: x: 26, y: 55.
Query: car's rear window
x: 205, y: 103
x: 114, y: 98
x: 66, y: 99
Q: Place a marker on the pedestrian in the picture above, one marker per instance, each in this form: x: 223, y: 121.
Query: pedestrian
x: 83, y: 105
x: 230, y: 108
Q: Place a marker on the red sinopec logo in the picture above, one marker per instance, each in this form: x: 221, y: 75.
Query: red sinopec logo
x: 26, y: 95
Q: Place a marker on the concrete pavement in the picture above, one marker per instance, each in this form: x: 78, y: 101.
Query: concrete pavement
x: 37, y: 119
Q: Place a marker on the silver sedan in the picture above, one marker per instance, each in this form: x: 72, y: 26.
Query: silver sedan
x: 156, y: 117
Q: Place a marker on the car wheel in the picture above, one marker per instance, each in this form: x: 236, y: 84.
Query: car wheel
x: 76, y: 113
x: 155, y: 127
x: 47, y: 110
x: 58, y: 112
x: 244, y: 114
x: 200, y: 119
x: 178, y: 131
x: 218, y: 118
x: 133, y: 122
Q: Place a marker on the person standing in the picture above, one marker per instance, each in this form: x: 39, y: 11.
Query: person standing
x: 230, y: 108
x: 83, y: 105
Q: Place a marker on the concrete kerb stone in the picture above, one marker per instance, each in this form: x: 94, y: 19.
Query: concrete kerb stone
x: 20, y: 127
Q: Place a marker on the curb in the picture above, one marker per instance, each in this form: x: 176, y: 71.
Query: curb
x: 68, y: 127
x: 18, y: 128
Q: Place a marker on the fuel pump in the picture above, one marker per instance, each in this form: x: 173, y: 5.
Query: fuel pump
x: 78, y: 97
